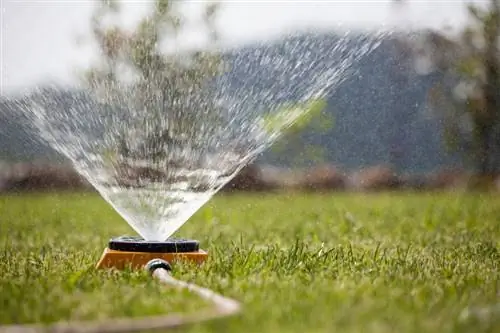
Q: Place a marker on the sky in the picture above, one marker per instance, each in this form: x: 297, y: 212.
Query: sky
x: 38, y: 36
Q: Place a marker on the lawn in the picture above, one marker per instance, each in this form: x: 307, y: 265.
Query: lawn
x: 298, y: 263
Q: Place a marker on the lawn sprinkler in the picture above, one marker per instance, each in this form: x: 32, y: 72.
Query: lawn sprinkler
x: 136, y: 252
x: 156, y: 258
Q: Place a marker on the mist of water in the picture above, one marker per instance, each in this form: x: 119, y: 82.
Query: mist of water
x: 157, y: 183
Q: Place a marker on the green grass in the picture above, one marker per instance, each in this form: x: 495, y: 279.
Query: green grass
x: 298, y: 263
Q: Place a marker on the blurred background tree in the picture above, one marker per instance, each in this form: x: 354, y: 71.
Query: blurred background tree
x: 467, y: 97
x: 163, y: 91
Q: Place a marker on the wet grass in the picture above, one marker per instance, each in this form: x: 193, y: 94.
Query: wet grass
x: 298, y: 263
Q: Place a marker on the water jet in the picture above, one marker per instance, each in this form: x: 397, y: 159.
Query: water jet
x: 157, y: 152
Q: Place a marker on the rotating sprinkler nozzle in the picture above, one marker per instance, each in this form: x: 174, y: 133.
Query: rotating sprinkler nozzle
x: 136, y: 253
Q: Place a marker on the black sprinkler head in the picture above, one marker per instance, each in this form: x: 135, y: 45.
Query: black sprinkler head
x: 138, y: 244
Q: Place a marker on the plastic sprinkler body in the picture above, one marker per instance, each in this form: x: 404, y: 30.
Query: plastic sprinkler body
x: 136, y: 253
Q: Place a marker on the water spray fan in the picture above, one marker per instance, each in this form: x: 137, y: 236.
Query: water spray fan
x: 158, y: 153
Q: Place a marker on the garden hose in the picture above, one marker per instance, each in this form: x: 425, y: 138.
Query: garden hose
x: 159, y: 269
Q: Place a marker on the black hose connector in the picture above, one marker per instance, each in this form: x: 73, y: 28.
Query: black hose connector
x: 155, y: 264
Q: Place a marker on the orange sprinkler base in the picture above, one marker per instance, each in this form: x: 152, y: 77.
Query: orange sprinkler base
x: 137, y: 260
